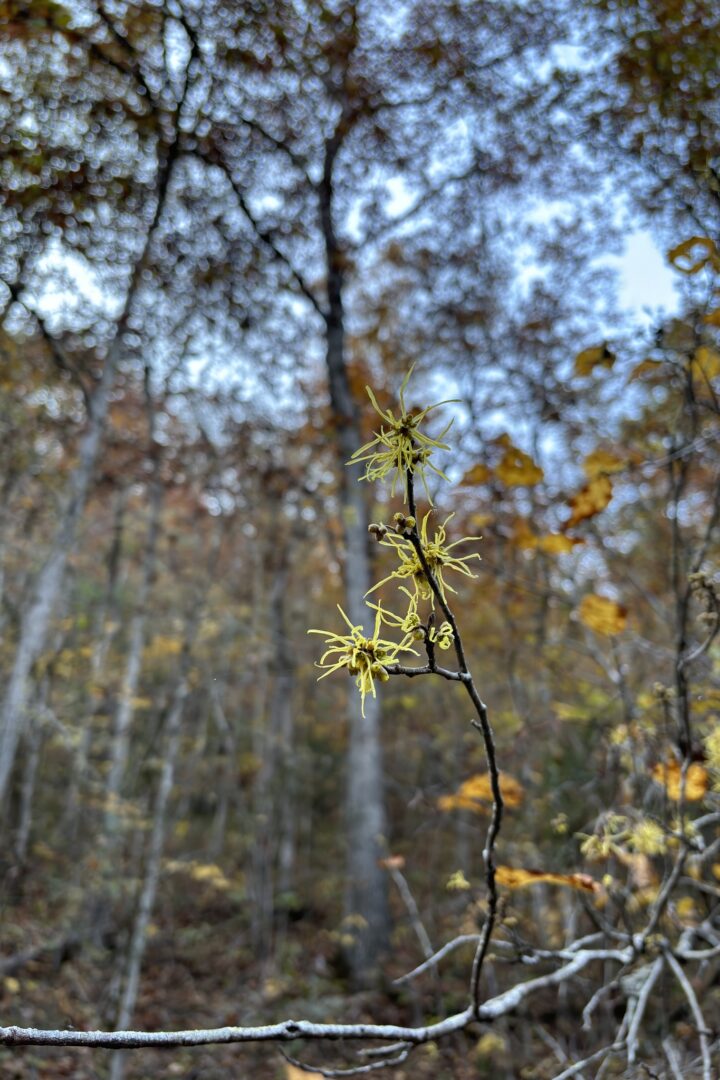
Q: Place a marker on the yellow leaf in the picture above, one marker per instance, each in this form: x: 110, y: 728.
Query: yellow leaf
x: 645, y: 367
x: 477, y: 790
x: 557, y: 543
x: 712, y: 318
x: 589, y: 359
x: 695, y: 253
x: 706, y: 363
x: 517, y: 468
x: 517, y: 879
x: 602, y: 615
x: 669, y: 775
x: 590, y: 500
x: 11, y: 984
x: 478, y: 474
x: 602, y: 461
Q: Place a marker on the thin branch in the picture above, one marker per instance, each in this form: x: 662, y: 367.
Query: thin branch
x: 692, y: 1000
x: 484, y: 727
x: 410, y: 672
x: 574, y: 1070
x: 353, y: 1070
x: 434, y: 960
x: 643, y: 997
x: 265, y: 235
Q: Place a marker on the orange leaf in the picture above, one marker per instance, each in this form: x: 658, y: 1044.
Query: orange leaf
x: 602, y: 615
x: 669, y: 775
x: 517, y: 879
x: 590, y: 500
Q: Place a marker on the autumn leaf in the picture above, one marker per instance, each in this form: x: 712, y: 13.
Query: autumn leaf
x: 478, y: 474
x: 590, y: 500
x: 517, y: 879
x: 692, y: 255
x: 477, y: 790
x: 517, y: 468
x: 669, y: 775
x: 645, y: 367
x: 602, y: 615
x: 705, y: 363
x: 601, y: 462
x: 712, y: 318
x: 558, y: 543
x: 589, y: 359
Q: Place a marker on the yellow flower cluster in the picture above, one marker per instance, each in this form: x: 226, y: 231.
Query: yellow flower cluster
x: 400, y: 445
x: 438, y: 557
x: 364, y: 657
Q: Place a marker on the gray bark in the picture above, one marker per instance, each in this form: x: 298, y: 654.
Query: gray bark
x: 49, y: 582
x: 125, y: 711
x: 146, y: 903
x: 367, y: 882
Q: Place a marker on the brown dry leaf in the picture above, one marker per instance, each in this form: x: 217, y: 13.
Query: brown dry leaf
x: 669, y: 775
x: 589, y: 359
x: 477, y: 790
x: 695, y: 253
x: 517, y: 879
x: 602, y: 461
x: 602, y: 615
x: 712, y: 318
x: 645, y: 367
x: 517, y: 468
x: 590, y: 500
x: 478, y: 474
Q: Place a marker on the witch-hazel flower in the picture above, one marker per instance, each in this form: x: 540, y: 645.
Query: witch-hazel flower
x: 399, y: 445
x: 364, y: 657
x: 439, y: 556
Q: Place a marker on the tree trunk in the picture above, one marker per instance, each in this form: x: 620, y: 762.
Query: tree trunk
x: 131, y: 679
x: 146, y: 903
x: 366, y: 897
x: 48, y: 586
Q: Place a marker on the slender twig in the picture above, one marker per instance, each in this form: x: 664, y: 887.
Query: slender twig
x: 484, y: 727
x: 653, y: 975
x: 692, y: 1000
x: 353, y: 1070
x: 574, y: 1070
